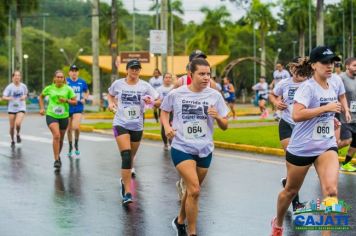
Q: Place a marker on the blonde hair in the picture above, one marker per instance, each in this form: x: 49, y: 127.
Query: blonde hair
x: 301, y: 66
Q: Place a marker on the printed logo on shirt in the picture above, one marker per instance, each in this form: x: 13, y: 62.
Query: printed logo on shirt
x: 194, y: 115
x: 17, y: 94
x: 291, y: 92
x: 324, y: 102
x: 131, y: 97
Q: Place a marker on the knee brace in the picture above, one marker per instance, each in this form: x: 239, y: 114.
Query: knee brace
x: 126, y: 159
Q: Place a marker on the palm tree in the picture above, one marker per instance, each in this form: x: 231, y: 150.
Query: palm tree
x: 211, y: 35
x: 297, y: 17
x: 261, y: 15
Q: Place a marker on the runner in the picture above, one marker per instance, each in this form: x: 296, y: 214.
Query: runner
x: 286, y: 90
x: 163, y: 91
x: 195, y: 108
x: 262, y: 89
x: 130, y: 94
x: 228, y: 91
x: 312, y: 140
x: 80, y: 88
x: 57, y: 113
x: 16, y: 94
x: 156, y: 82
x: 278, y: 75
x: 348, y: 130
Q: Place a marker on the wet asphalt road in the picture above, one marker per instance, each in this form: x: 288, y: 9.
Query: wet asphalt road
x: 238, y: 196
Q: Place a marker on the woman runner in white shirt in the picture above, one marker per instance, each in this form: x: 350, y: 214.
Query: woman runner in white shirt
x: 195, y: 109
x: 313, y: 142
x: 16, y: 94
x: 127, y: 98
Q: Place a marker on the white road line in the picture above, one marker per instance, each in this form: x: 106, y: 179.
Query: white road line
x: 93, y: 138
x: 36, y: 139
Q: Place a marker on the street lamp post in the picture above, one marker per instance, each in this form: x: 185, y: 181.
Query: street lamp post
x: 65, y: 55
x: 25, y: 56
x: 71, y: 62
x: 279, y: 50
x: 44, y: 15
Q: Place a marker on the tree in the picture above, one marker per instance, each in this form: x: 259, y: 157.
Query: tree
x: 297, y: 17
x: 21, y: 7
x: 260, y: 14
x: 211, y: 36
x: 320, y: 22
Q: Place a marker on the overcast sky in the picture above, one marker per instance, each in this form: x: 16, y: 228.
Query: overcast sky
x: 192, y: 7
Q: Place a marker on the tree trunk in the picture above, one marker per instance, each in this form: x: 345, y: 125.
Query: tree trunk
x: 113, y: 40
x: 320, y: 22
x: 95, y: 49
x: 301, y: 43
x: 263, y: 54
x: 164, y: 24
x: 18, y: 38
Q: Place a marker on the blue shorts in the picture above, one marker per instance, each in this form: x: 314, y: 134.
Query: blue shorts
x: 179, y: 156
x: 76, y: 109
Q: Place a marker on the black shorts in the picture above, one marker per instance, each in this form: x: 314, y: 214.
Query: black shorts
x: 63, y: 122
x: 135, y: 136
x: 261, y: 97
x: 304, y: 161
x: 285, y: 129
x: 14, y: 113
x: 348, y: 131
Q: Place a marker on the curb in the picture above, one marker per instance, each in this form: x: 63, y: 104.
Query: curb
x: 231, y: 146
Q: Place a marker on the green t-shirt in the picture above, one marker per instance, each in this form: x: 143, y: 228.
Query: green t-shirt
x: 55, y: 108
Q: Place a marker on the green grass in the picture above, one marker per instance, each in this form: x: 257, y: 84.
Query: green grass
x: 250, y: 121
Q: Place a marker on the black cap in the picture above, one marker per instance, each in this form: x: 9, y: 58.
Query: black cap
x: 322, y: 54
x: 73, y: 67
x: 133, y: 63
x: 197, y: 54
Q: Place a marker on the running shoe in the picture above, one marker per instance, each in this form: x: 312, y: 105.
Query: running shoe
x: 276, y: 230
x: 122, y: 186
x: 70, y: 154
x: 18, y: 139
x: 166, y: 147
x: 133, y: 173
x: 348, y: 167
x: 127, y: 199
x: 179, y: 228
x: 77, y: 153
x: 12, y: 144
x: 57, y: 164
x: 179, y: 190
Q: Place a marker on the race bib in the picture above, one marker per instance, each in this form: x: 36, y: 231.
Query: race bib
x: 132, y: 112
x: 323, y: 130
x: 58, y: 110
x: 353, y: 106
x: 195, y: 129
x: 78, y: 96
x: 226, y: 95
x: 15, y: 104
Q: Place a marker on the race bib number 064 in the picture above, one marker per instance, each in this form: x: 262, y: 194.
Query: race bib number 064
x: 195, y: 129
x: 323, y: 130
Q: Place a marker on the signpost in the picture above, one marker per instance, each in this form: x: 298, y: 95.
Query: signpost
x: 158, y: 41
x: 143, y: 57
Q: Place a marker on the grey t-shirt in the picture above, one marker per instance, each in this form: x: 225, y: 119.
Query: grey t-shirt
x: 278, y: 76
x: 313, y: 137
x: 194, y: 127
x: 16, y: 92
x: 350, y: 88
x: 130, y: 103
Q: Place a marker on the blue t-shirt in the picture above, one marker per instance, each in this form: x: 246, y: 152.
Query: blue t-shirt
x: 79, y: 87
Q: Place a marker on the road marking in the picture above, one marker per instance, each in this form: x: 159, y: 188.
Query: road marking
x: 94, y: 138
x: 5, y: 144
x: 36, y: 139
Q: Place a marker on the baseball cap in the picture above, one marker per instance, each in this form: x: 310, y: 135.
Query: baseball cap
x: 73, y: 67
x: 133, y: 63
x: 322, y: 54
x: 197, y: 54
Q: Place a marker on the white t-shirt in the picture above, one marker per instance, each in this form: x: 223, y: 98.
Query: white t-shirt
x: 156, y: 82
x: 287, y: 88
x: 130, y: 104
x: 280, y: 75
x: 314, y: 136
x: 262, y: 89
x: 16, y: 92
x: 194, y: 128
x: 163, y: 91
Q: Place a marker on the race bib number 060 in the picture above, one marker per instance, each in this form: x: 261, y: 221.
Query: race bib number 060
x: 132, y: 113
x: 195, y: 129
x: 323, y: 130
